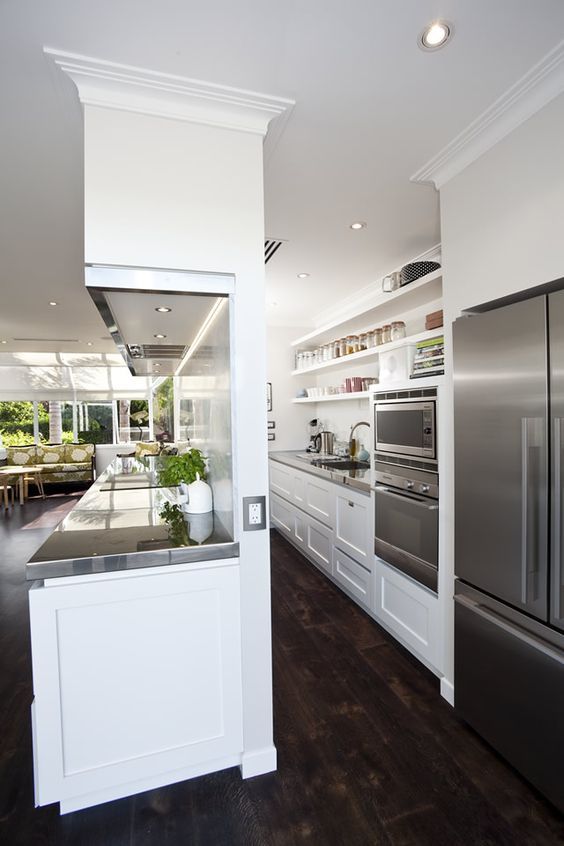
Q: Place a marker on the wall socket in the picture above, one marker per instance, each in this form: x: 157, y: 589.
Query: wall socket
x: 254, y: 513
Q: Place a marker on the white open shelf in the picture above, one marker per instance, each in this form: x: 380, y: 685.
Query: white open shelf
x: 371, y: 353
x: 334, y: 397
x: 382, y: 307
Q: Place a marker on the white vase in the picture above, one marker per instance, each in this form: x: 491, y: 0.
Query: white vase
x: 199, y: 497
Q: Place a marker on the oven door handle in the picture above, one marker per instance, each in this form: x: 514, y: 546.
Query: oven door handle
x: 423, y: 502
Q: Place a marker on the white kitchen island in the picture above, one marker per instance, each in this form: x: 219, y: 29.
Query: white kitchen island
x: 136, y: 644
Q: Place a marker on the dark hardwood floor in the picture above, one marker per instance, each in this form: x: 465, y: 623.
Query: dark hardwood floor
x: 369, y: 753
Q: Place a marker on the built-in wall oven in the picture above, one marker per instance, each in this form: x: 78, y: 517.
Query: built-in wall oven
x: 406, y: 483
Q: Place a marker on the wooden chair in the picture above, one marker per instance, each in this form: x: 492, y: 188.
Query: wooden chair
x: 7, y: 495
x: 34, y: 479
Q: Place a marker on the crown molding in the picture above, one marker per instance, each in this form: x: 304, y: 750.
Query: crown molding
x: 133, y: 89
x: 541, y: 84
x: 367, y: 296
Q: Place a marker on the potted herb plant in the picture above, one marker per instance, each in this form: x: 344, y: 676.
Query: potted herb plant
x: 182, y: 469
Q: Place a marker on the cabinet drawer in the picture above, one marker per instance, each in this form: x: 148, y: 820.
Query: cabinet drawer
x: 281, y: 479
x: 355, y: 578
x: 319, y: 499
x: 353, y: 525
x: 281, y: 514
x: 408, y: 611
x: 319, y: 544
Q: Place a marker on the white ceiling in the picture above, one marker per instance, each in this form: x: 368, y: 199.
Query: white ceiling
x: 371, y: 109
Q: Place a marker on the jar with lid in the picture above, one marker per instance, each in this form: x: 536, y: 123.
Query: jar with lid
x: 397, y: 331
x: 325, y: 352
x: 386, y: 333
x: 336, y: 349
x: 342, y: 347
x: 377, y: 336
x: 355, y: 343
x: 299, y: 360
x: 363, y: 341
x: 350, y: 347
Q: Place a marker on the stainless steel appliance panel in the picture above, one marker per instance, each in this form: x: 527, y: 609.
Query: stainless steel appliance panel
x: 556, y: 362
x: 509, y: 686
x: 501, y: 469
x: 405, y: 428
x: 406, y: 533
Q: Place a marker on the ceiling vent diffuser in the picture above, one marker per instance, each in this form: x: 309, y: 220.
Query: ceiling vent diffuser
x: 270, y: 247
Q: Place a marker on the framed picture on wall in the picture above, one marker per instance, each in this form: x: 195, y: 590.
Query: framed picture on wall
x: 269, y: 396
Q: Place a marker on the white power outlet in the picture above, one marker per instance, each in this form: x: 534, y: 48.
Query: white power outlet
x: 255, y: 513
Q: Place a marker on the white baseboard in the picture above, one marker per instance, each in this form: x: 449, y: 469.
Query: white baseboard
x: 87, y: 800
x: 447, y: 691
x: 258, y: 763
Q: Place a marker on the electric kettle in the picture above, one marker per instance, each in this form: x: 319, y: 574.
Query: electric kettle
x: 199, y: 497
x: 324, y: 442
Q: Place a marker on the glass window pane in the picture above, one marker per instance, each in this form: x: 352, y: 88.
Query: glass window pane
x: 95, y: 422
x: 163, y: 411
x: 16, y: 423
x: 133, y: 417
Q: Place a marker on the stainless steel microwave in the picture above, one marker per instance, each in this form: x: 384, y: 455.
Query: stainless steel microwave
x: 405, y: 426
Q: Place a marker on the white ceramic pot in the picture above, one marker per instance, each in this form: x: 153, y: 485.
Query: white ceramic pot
x: 199, y: 497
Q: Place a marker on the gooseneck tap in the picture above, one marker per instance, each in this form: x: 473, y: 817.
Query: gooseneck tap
x: 352, y: 441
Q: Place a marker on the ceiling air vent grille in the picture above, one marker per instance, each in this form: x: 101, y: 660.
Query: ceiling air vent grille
x: 270, y: 247
x: 156, y: 351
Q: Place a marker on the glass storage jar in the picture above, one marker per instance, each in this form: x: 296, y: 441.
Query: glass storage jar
x: 336, y: 349
x: 342, y: 347
x: 397, y: 331
x: 378, y: 336
x: 363, y: 341
x: 386, y: 333
x: 350, y: 347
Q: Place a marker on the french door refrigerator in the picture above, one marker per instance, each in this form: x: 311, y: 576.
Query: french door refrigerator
x: 509, y: 542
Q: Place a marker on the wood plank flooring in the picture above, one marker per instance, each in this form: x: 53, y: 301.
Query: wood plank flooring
x: 369, y: 753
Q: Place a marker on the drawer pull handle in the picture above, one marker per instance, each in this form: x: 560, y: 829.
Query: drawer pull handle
x: 351, y: 503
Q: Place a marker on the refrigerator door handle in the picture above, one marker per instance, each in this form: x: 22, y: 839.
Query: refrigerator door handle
x: 532, y: 437
x: 512, y: 628
x: 557, y: 525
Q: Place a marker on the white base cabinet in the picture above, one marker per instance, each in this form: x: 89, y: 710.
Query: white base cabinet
x: 408, y: 611
x: 137, y: 680
x: 342, y: 545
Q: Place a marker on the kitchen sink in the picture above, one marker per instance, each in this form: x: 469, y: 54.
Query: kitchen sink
x: 341, y: 464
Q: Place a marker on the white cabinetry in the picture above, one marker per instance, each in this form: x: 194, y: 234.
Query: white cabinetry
x: 137, y: 681
x: 408, y: 611
x: 353, y: 524
x: 342, y: 545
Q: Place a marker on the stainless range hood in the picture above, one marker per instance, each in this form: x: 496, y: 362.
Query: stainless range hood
x: 152, y: 330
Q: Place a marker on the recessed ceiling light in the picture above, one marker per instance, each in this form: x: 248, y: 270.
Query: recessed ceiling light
x: 303, y: 275
x: 53, y: 303
x: 163, y: 309
x: 88, y: 343
x: 3, y: 342
x: 358, y: 225
x: 159, y: 335
x: 435, y: 35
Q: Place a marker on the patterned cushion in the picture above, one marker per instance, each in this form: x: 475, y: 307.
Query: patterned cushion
x: 63, y: 467
x: 76, y: 476
x: 150, y: 448
x: 50, y: 454
x: 78, y: 453
x: 22, y: 455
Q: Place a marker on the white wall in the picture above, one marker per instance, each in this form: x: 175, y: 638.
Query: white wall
x: 291, y: 420
x: 502, y: 217
x: 502, y: 232
x: 174, y: 194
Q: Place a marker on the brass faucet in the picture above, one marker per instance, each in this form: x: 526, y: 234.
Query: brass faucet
x: 352, y: 441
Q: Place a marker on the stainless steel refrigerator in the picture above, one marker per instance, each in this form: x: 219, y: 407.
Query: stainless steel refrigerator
x: 509, y: 541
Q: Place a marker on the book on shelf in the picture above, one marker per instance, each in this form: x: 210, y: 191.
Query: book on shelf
x: 429, y: 342
x: 420, y: 373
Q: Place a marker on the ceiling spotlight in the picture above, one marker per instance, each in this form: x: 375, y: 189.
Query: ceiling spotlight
x: 159, y: 336
x: 53, y: 303
x: 303, y: 275
x: 88, y: 343
x: 3, y: 342
x: 358, y: 225
x: 163, y: 309
x: 435, y: 35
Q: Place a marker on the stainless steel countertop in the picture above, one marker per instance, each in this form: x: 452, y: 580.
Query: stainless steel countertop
x: 361, y: 480
x: 127, y: 528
